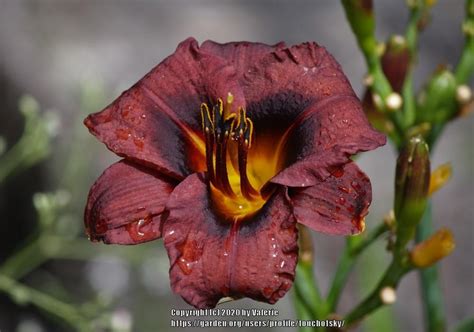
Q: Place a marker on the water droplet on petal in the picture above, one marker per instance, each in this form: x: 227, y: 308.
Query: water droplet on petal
x: 138, y: 141
x: 141, y: 229
x: 191, y: 252
x: 122, y: 133
x: 356, y: 186
x: 344, y: 189
x: 336, y: 171
x: 267, y: 292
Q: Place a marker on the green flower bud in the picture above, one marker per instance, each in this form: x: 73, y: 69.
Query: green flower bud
x: 437, y: 101
x: 361, y: 18
x: 412, y: 180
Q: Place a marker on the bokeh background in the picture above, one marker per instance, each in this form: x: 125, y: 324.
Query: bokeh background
x: 74, y: 57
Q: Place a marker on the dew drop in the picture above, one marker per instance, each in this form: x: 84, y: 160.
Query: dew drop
x: 356, y: 186
x: 141, y: 223
x: 185, y: 266
x: 170, y: 236
x: 336, y: 171
x: 141, y: 229
x: 267, y: 292
x: 191, y: 252
x: 122, y: 133
x: 285, y: 285
x: 143, y: 116
x: 341, y: 200
x: 138, y: 141
x: 344, y: 189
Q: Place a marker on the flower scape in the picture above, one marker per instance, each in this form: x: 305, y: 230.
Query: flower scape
x: 226, y: 147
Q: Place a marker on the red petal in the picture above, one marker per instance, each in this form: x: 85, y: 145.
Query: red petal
x: 326, y: 134
x: 284, y: 82
x: 212, y: 258
x: 125, y: 205
x: 337, y: 205
x: 157, y: 121
x: 242, y: 55
x: 301, y: 96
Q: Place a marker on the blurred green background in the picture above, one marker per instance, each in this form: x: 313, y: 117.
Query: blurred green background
x: 74, y: 57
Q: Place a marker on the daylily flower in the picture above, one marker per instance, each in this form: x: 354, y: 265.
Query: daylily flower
x: 226, y: 147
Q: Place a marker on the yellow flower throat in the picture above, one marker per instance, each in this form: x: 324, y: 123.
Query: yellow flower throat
x: 228, y: 139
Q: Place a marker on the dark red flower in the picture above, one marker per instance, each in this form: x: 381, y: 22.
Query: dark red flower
x: 226, y: 147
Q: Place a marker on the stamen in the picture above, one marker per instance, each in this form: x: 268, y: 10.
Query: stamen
x: 245, y: 130
x: 221, y: 135
x: 208, y: 130
x: 221, y: 157
x: 218, y: 126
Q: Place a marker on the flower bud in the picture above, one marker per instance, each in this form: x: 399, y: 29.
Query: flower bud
x: 395, y: 61
x: 360, y: 15
x: 412, y: 181
x: 439, y: 177
x: 388, y: 295
x: 437, y: 101
x: 433, y: 249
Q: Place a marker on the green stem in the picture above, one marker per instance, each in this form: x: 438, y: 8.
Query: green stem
x: 465, y: 67
x: 307, y: 293
x: 391, y: 278
x: 362, y: 23
x: 465, y: 326
x: 411, y: 36
x: 23, y: 295
x: 430, y: 289
x: 24, y: 261
x: 303, y: 311
x: 353, y: 248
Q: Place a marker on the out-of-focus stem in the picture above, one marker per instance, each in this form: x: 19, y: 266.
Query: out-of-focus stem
x: 353, y: 248
x: 411, y: 36
x: 392, y: 276
x: 25, y: 295
x: 465, y: 326
x: 302, y: 310
x: 430, y: 290
x: 465, y: 67
x: 23, y: 261
x: 362, y: 21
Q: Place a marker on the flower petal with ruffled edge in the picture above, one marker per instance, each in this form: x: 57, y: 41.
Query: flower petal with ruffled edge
x: 157, y: 122
x: 337, y: 205
x: 212, y: 258
x: 300, y: 96
x: 125, y: 205
x: 241, y: 55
